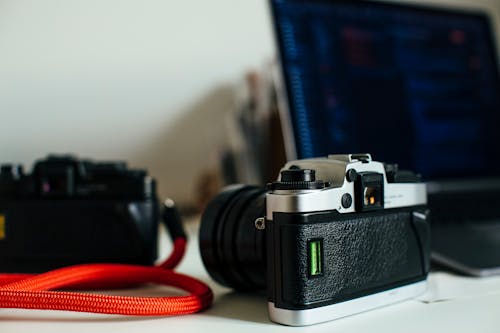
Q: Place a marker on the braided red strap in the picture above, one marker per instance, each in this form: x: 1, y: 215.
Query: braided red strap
x: 36, y: 291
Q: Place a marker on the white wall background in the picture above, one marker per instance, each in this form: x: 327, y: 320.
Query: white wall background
x: 102, y: 76
x: 106, y: 78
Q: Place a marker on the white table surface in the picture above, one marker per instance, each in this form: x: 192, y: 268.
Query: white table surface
x: 452, y: 304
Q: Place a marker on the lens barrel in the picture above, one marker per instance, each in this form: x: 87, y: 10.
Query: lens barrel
x: 232, y: 249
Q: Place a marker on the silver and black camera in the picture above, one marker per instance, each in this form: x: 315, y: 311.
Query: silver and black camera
x: 332, y: 237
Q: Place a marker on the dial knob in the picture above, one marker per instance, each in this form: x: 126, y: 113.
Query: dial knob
x: 298, y: 179
x: 298, y: 175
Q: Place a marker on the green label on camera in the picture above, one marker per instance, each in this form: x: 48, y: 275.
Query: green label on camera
x: 315, y: 257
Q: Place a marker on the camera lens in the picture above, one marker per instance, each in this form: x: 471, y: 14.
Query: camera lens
x: 232, y: 249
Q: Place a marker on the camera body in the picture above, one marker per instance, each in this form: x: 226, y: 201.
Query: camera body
x: 355, y: 240
x: 70, y: 211
x: 332, y: 237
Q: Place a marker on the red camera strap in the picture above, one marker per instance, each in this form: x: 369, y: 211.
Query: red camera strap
x: 28, y: 291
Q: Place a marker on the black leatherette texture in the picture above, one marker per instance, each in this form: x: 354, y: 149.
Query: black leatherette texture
x: 362, y: 253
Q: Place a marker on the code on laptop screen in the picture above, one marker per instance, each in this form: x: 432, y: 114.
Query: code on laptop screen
x: 410, y: 85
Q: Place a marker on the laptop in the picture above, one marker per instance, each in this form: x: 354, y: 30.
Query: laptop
x: 410, y: 84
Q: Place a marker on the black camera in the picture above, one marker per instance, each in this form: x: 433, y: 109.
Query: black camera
x: 332, y: 237
x: 70, y: 211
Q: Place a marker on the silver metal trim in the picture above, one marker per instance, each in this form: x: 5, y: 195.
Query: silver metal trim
x: 396, y: 195
x: 347, y: 308
x: 448, y: 262
x: 284, y: 108
x: 282, y: 93
x: 260, y: 223
x: 420, y: 215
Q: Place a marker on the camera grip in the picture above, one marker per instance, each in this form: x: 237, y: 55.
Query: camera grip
x: 362, y: 254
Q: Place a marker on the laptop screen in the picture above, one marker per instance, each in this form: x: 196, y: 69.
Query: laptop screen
x: 411, y: 85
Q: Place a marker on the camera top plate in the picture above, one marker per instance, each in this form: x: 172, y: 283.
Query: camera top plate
x: 337, y: 171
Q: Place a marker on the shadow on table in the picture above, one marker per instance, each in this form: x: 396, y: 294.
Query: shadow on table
x: 241, y: 306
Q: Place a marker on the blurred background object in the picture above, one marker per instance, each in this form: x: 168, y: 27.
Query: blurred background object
x: 144, y: 81
x: 256, y: 151
x: 166, y: 85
